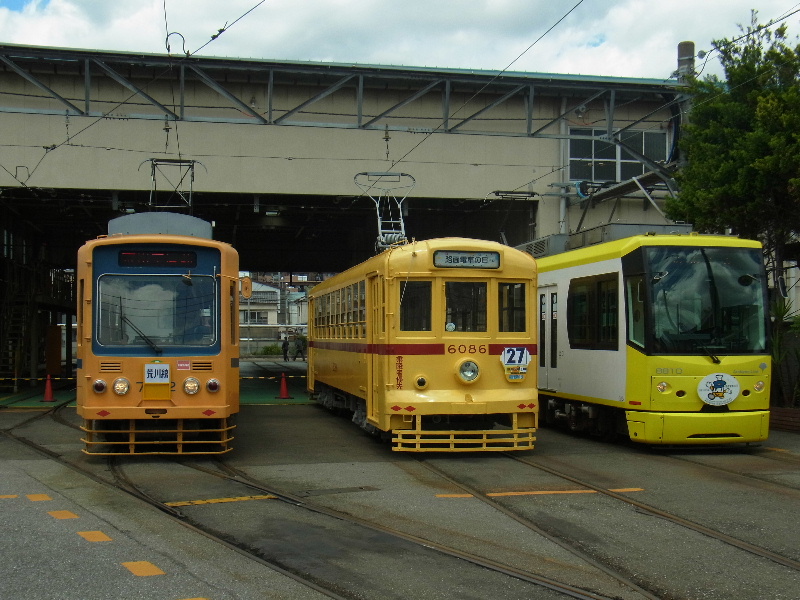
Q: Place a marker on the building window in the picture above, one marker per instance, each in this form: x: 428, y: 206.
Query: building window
x: 599, y: 160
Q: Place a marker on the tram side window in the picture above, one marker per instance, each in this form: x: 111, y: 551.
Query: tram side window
x: 465, y: 303
x: 348, y: 312
x: 325, y: 315
x: 511, y: 303
x: 592, y: 316
x: 362, y: 309
x: 635, y: 291
x: 415, y: 306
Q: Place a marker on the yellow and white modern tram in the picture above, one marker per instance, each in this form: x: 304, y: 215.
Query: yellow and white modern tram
x: 663, y: 338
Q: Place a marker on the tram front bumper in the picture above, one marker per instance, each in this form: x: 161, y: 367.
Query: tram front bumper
x: 698, y: 428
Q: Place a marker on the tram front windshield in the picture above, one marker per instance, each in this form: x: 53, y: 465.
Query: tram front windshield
x: 699, y: 301
x: 155, y: 311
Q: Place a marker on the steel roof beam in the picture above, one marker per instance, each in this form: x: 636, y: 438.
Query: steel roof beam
x: 225, y: 93
x: 402, y: 103
x: 136, y: 90
x: 38, y: 83
x: 569, y: 110
x: 497, y: 102
x: 323, y: 94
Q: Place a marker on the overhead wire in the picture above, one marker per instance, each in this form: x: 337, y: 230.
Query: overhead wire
x: 497, y: 75
x: 441, y: 124
x: 157, y: 77
x: 403, y: 158
x: 793, y: 10
x: 789, y: 12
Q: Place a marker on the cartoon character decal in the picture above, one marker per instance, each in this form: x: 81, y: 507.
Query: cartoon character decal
x: 718, y: 389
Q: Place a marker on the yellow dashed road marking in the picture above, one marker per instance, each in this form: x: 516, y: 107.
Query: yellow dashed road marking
x: 219, y: 500
x: 62, y: 514
x: 143, y: 568
x: 538, y: 493
x: 94, y: 536
x: 9, y: 496
x: 38, y: 497
x: 542, y: 493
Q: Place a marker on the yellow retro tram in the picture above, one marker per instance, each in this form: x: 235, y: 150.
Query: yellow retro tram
x: 661, y: 338
x: 428, y: 345
x: 158, y: 340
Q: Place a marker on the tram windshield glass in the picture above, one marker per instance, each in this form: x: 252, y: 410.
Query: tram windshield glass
x: 154, y: 311
x: 468, y: 306
x: 697, y: 300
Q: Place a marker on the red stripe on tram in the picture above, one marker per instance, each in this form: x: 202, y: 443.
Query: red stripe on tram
x: 409, y: 349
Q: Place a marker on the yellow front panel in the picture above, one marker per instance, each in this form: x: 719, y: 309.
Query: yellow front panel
x: 143, y: 396
x: 698, y: 428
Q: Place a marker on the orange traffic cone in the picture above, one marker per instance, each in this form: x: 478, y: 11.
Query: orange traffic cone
x: 284, y: 389
x: 48, y: 391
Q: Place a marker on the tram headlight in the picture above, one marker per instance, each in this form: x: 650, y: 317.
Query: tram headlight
x: 191, y: 385
x: 759, y: 386
x: 99, y: 386
x: 212, y: 385
x: 662, y: 387
x: 468, y: 371
x: 121, y: 386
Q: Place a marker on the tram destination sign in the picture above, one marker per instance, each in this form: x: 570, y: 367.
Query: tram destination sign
x: 463, y: 259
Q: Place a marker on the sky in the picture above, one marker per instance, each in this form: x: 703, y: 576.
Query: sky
x: 618, y: 38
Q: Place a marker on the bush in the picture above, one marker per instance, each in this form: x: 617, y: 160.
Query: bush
x: 271, y: 350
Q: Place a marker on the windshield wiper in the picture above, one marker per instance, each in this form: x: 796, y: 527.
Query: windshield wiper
x: 142, y: 334
x: 714, y: 358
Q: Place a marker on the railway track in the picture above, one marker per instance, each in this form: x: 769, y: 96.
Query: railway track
x: 672, y: 518
x: 339, y: 520
x: 537, y: 529
x: 772, y: 455
x: 116, y: 475
x: 230, y: 473
x: 549, y: 523
x: 119, y: 480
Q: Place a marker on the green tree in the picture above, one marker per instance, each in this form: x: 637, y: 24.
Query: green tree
x: 742, y: 143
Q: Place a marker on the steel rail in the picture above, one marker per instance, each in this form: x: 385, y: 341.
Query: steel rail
x: 241, y: 477
x: 125, y: 485
x: 712, y: 533
x: 616, y: 575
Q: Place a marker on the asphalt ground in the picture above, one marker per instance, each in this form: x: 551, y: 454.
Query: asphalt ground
x: 67, y: 536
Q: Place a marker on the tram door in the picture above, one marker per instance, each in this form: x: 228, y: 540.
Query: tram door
x: 548, y: 338
x: 376, y: 337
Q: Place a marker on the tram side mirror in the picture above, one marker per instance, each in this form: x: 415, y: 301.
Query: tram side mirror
x: 247, y: 287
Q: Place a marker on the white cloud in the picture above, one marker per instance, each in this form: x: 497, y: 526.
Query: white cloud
x: 633, y: 38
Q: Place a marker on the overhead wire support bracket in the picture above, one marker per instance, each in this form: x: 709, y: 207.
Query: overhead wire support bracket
x: 388, y: 191
x: 514, y: 195
x: 180, y: 194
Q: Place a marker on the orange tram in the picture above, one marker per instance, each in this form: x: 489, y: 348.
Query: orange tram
x: 158, y: 339
x: 429, y: 345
